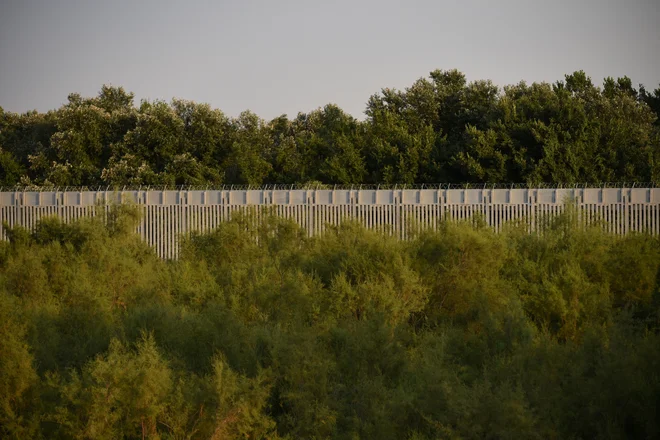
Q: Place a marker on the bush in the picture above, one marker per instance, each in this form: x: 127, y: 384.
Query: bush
x: 259, y: 331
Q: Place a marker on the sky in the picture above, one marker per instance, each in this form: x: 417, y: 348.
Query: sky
x: 290, y: 56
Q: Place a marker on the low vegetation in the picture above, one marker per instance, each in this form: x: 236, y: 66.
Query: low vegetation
x: 258, y: 331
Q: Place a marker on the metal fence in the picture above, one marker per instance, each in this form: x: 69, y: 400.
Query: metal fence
x: 170, y: 214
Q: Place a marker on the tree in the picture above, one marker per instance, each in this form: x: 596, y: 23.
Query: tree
x: 440, y: 129
x: 395, y: 153
x: 330, y: 142
x: 250, y: 148
x: 10, y: 169
x: 652, y: 100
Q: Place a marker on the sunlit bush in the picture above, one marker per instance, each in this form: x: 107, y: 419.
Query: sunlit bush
x: 259, y: 331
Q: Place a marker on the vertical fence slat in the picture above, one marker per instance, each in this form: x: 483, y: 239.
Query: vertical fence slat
x: 166, y: 220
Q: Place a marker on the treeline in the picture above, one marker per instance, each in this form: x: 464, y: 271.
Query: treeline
x: 439, y: 130
x: 261, y: 332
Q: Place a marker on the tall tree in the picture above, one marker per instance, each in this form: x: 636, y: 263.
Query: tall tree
x: 250, y: 149
x: 330, y: 142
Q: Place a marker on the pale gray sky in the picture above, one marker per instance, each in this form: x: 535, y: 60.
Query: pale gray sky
x: 286, y: 56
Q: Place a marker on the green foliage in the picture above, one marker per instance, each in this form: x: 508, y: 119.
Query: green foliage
x: 259, y: 331
x: 117, y: 395
x: 18, y: 378
x: 440, y: 129
x: 10, y: 169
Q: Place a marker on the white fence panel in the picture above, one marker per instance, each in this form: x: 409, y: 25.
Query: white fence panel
x: 168, y: 215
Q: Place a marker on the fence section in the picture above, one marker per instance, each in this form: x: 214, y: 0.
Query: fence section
x: 168, y: 215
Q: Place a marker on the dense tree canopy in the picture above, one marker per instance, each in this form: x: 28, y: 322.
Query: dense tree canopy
x: 441, y: 129
x: 259, y: 331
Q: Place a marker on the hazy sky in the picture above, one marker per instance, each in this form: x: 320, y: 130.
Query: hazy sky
x: 286, y: 56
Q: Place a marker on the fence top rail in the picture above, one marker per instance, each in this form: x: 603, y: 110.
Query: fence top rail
x: 319, y: 186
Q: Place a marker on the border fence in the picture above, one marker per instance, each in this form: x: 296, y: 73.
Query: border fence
x: 170, y: 214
